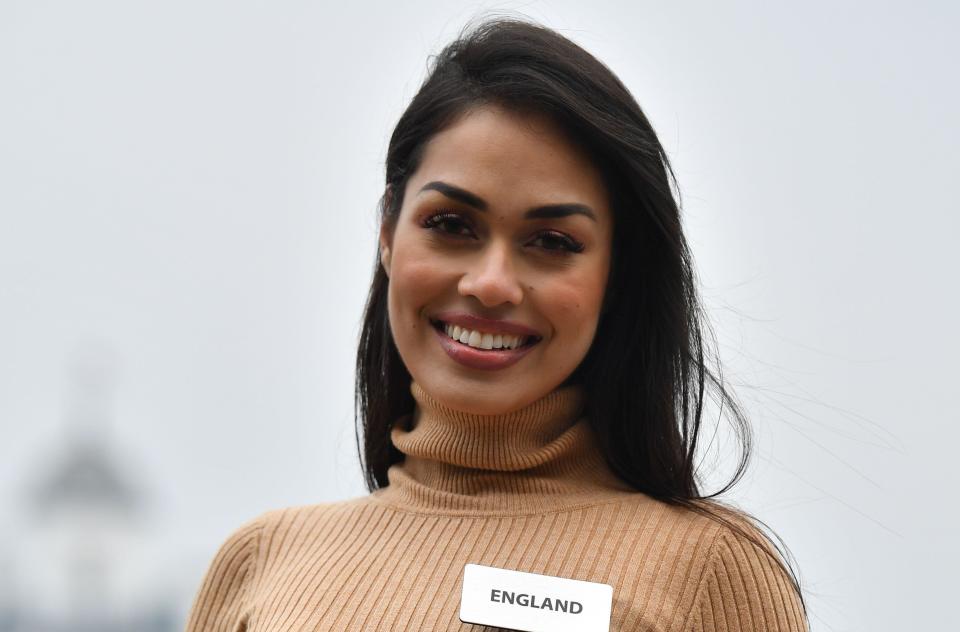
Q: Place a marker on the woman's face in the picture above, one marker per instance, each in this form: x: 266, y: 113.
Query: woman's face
x: 505, y: 220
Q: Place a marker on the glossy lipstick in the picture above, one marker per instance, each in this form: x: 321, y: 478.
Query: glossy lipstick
x: 484, y: 359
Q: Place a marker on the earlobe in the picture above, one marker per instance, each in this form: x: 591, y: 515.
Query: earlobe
x: 385, y: 250
x: 386, y: 231
x: 385, y: 259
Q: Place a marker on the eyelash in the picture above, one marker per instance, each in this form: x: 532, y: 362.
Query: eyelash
x: 570, y: 245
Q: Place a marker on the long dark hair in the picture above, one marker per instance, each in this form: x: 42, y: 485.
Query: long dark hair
x: 646, y: 374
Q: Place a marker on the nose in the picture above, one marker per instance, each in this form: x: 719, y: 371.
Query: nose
x: 491, y: 277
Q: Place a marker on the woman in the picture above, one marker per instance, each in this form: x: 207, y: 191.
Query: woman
x: 529, y: 383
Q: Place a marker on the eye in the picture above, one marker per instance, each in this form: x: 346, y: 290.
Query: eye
x: 558, y: 243
x: 446, y: 222
x: 453, y: 225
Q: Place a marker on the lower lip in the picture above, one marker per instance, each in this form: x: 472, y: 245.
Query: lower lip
x: 484, y: 359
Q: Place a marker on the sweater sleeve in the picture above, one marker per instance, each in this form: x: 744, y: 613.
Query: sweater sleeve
x: 222, y: 603
x: 744, y: 590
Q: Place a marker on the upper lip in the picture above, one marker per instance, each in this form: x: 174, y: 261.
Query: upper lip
x: 490, y: 325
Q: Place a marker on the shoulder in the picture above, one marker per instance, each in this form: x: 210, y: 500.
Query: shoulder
x: 674, y: 529
x: 288, y: 524
x: 744, y: 583
x: 280, y: 535
x: 249, y: 541
x: 707, y: 567
x: 226, y: 594
x: 221, y: 600
x: 235, y: 557
x: 728, y: 574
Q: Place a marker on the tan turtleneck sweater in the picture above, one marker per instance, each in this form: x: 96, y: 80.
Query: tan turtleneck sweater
x: 528, y: 491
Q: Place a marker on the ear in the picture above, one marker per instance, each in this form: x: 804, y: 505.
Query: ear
x: 386, y: 231
x: 386, y: 239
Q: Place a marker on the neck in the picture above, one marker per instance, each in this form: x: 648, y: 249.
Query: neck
x: 540, y: 457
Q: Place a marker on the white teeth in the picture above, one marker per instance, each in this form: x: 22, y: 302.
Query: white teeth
x: 486, y: 341
x: 481, y: 340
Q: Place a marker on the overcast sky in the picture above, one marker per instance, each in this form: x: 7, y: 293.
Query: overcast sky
x: 187, y: 209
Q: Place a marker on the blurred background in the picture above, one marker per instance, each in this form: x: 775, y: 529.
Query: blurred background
x: 188, y: 230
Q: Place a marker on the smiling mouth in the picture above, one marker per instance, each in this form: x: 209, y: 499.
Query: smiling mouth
x: 506, y: 342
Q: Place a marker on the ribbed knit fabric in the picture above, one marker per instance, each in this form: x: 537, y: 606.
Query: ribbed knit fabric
x: 529, y: 491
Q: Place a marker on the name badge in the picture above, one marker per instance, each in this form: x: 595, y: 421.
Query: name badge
x: 533, y: 603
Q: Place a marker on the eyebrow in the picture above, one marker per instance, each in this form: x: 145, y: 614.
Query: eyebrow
x: 547, y: 211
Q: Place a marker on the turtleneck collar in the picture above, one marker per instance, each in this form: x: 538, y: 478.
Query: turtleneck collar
x: 539, y: 458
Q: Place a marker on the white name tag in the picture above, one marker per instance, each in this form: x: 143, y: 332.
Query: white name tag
x: 533, y: 603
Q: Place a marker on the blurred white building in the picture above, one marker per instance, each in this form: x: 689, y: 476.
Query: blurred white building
x: 81, y: 557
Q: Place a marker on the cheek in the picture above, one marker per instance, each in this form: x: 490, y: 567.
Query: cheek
x: 574, y: 305
x: 415, y: 280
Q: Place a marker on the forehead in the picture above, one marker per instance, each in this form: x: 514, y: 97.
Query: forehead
x: 512, y: 160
